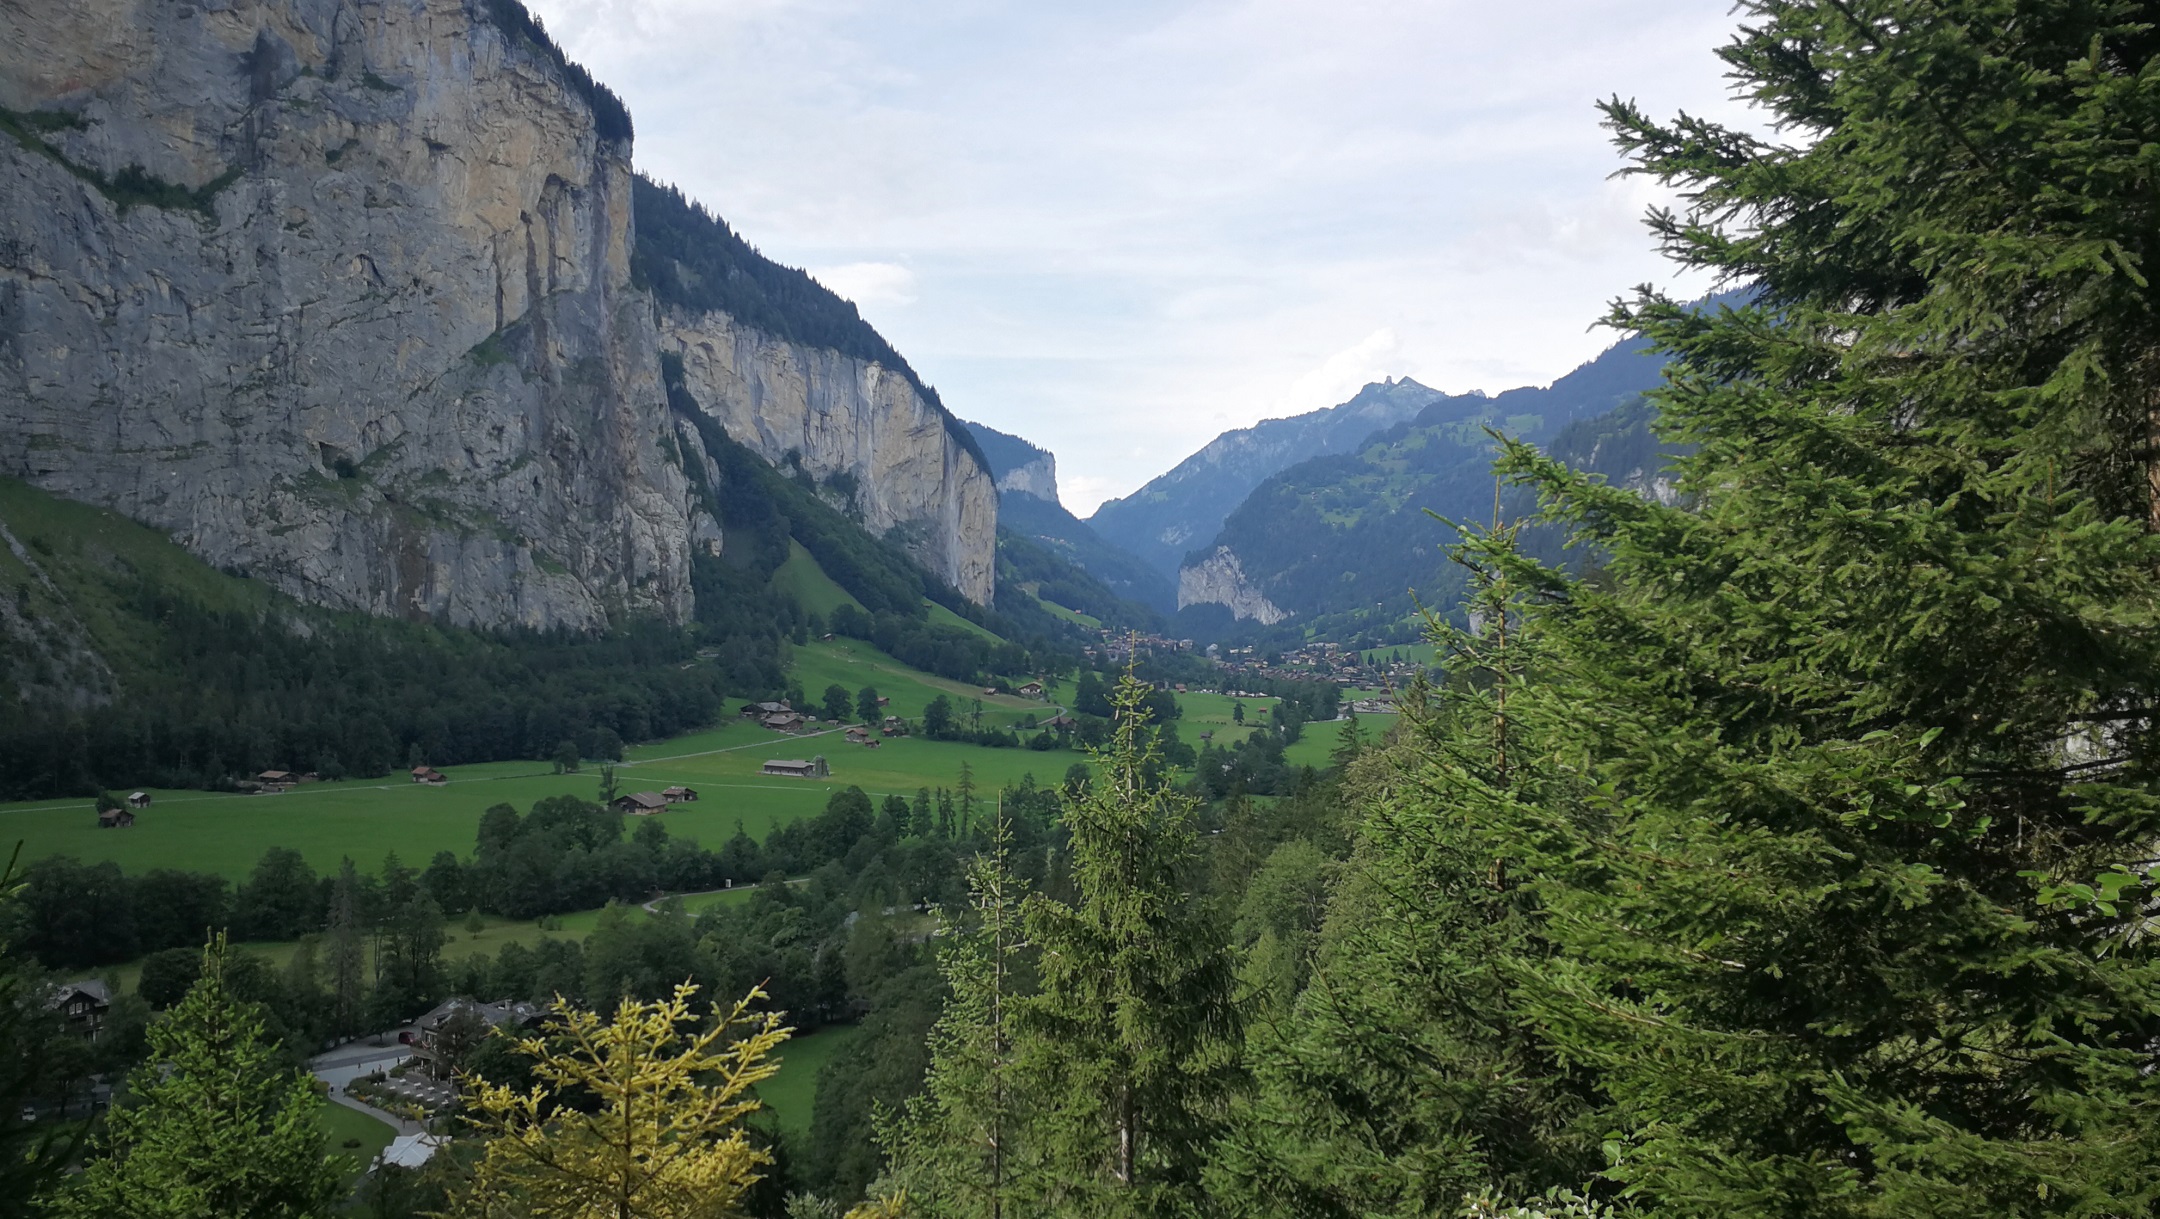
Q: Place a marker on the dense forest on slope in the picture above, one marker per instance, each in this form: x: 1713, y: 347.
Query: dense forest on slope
x: 1352, y: 540
x: 1185, y: 506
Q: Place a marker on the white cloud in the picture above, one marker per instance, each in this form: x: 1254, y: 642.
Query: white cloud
x: 1341, y: 375
x: 869, y: 283
x: 1156, y: 219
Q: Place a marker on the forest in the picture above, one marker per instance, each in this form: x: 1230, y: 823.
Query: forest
x: 1793, y: 860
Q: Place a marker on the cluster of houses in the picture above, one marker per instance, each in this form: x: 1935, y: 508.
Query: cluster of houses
x: 645, y: 804
x: 121, y: 818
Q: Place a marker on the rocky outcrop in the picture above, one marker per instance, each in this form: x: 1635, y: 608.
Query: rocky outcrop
x: 338, y: 293
x: 861, y: 430
x: 1219, y: 579
x: 1037, y: 478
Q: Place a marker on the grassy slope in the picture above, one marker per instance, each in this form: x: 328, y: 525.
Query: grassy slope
x: 341, y: 1124
x: 801, y: 578
x: 940, y: 616
x: 790, y: 1094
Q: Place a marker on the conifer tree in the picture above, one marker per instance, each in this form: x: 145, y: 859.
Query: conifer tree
x: 959, y: 1150
x: 1131, y: 1041
x: 348, y: 952
x: 1408, y: 1075
x: 216, y: 1127
x: 1855, y: 923
x: 656, y: 1130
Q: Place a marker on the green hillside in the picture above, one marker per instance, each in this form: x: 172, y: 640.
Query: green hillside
x: 1350, y: 545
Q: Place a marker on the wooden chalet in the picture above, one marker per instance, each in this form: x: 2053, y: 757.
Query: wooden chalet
x: 679, y: 794
x: 640, y: 804
x: 83, y: 1005
x: 429, y: 775
x: 1032, y: 689
x: 115, y: 819
x: 138, y: 800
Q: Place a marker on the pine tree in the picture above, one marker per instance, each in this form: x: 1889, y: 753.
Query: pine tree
x: 966, y: 801
x: 348, y: 953
x: 1855, y: 922
x: 657, y: 1132
x: 958, y: 1151
x: 1132, y: 1039
x: 1409, y: 1075
x: 216, y: 1127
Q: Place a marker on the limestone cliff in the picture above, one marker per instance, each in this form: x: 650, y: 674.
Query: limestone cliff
x: 1219, y: 579
x: 840, y: 415
x: 339, y: 293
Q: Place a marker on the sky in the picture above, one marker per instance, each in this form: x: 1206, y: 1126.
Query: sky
x: 1118, y: 228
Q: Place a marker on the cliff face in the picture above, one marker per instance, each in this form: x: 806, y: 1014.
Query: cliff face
x: 843, y: 416
x: 1219, y: 579
x: 338, y: 293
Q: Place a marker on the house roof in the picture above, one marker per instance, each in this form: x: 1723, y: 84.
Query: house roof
x: 412, y: 1150
x: 92, y: 989
x: 677, y: 790
x: 787, y: 764
x: 643, y: 799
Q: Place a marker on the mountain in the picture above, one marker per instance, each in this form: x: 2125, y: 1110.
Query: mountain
x: 1028, y: 507
x: 1344, y: 544
x: 1185, y: 507
x: 369, y: 302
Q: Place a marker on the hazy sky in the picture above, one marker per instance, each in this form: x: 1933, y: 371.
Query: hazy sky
x: 1118, y: 228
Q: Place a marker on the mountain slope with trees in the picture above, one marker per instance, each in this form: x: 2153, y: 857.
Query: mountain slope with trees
x: 1347, y: 542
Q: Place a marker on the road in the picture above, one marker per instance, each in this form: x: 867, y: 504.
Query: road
x: 347, y: 1063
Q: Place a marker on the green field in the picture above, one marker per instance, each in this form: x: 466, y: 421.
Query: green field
x: 791, y: 1095
x: 367, y: 819
x: 341, y: 1123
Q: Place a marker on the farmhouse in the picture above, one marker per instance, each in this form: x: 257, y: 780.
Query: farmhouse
x: 138, y: 800
x: 1032, y: 689
x: 857, y: 734
x: 83, y: 1005
x: 641, y: 804
x: 755, y: 710
x: 791, y: 768
x: 783, y: 721
x: 429, y: 775
x: 115, y: 819
x: 423, y: 1033
x: 678, y: 794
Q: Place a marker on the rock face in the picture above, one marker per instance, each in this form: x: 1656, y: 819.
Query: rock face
x: 1037, y: 478
x: 338, y: 293
x: 1219, y: 579
x: 839, y: 416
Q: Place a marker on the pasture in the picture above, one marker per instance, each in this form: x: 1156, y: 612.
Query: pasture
x: 367, y: 819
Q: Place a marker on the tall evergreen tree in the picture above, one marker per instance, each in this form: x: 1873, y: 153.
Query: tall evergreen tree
x: 1854, y: 923
x: 216, y: 1126
x: 347, y: 952
x: 1132, y: 1038
x: 959, y: 1150
x: 1409, y: 1076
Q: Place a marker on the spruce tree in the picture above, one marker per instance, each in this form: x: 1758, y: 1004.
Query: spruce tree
x: 1408, y: 1075
x: 216, y: 1126
x: 1131, y: 1041
x: 1855, y: 922
x: 960, y: 1149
